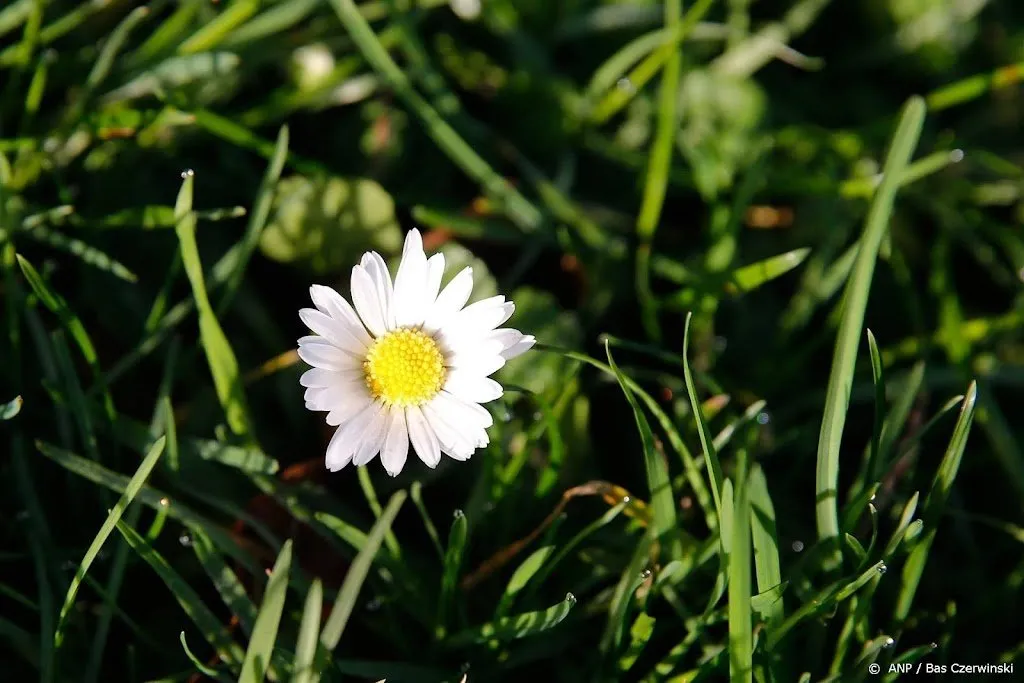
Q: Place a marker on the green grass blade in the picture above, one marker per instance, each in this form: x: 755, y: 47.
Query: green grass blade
x: 309, y: 635
x: 357, y: 572
x: 935, y: 504
x: 10, y: 410
x: 198, y: 663
x: 662, y: 501
x: 264, y: 632
x: 706, y: 441
x: 207, y: 622
x: 215, y: 32
x: 519, y: 209
x: 257, y: 219
x: 741, y: 637
x: 131, y: 490
x: 450, y: 575
x: 224, y: 579
x: 766, y: 541
x: 519, y: 626
x: 219, y: 356
x: 855, y: 300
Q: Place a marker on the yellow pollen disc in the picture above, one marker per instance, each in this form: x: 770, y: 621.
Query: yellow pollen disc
x: 404, y: 367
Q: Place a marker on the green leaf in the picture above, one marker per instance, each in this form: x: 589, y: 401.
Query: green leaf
x: 855, y: 298
x: 706, y: 442
x: 750, y: 277
x: 766, y: 541
x: 131, y: 490
x: 219, y: 356
x: 741, y: 637
x: 264, y: 632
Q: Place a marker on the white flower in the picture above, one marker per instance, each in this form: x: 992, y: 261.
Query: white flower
x: 409, y: 363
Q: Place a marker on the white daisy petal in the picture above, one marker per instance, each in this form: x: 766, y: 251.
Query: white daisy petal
x: 318, y: 377
x: 483, y: 363
x: 322, y: 354
x: 368, y: 301
x: 472, y: 388
x: 513, y: 342
x: 452, y: 441
x: 435, y: 271
x: 423, y: 438
x: 344, y: 442
x: 458, y: 412
x: 396, y: 444
x: 410, y: 281
x: 451, y: 299
x: 378, y: 271
x: 372, y: 439
x: 328, y: 301
x: 333, y: 330
x: 344, y: 403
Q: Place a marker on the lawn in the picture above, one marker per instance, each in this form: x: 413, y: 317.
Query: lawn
x: 754, y: 415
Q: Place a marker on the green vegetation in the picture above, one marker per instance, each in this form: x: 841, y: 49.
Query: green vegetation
x: 772, y: 253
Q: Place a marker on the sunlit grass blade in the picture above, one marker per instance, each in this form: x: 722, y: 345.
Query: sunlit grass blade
x: 522, y: 576
x: 519, y: 209
x: 750, y: 277
x: 151, y: 497
x: 450, y: 573
x: 131, y: 490
x: 207, y: 622
x: 257, y: 219
x: 86, y: 253
x: 214, y: 32
x: 625, y: 589
x: 219, y: 356
x: 56, y: 304
x: 360, y: 567
x: 855, y: 300
x: 10, y: 410
x: 264, y: 632
x: 974, y: 87
x: 518, y: 626
x: 309, y: 634
x: 662, y: 501
x: 741, y: 639
x: 714, y: 467
x: 224, y: 579
x: 934, y: 505
x: 765, y: 540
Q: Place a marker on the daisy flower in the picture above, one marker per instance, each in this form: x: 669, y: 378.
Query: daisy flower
x: 409, y: 363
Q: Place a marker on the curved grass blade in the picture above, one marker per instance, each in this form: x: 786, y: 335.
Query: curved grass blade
x: 198, y: 663
x: 207, y: 622
x: 934, y: 505
x: 131, y: 490
x: 662, y: 502
x: 264, y: 633
x: 10, y: 410
x: 219, y: 356
x: 522, y: 576
x: 224, y: 579
x: 707, y: 443
x: 855, y: 300
x: 519, y: 626
x: 519, y: 209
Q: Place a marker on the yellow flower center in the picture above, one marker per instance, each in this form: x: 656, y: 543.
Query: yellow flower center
x: 404, y: 367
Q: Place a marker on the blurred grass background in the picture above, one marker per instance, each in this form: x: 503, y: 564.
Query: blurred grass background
x: 174, y: 176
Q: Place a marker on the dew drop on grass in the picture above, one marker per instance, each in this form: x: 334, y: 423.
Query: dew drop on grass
x: 458, y: 514
x: 933, y: 645
x: 626, y: 499
x: 625, y: 85
x: 570, y: 598
x: 798, y: 546
x: 889, y: 642
x: 956, y: 156
x: 882, y: 569
x: 645, y: 574
x: 763, y: 418
x: 187, y: 173
x: 185, y: 540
